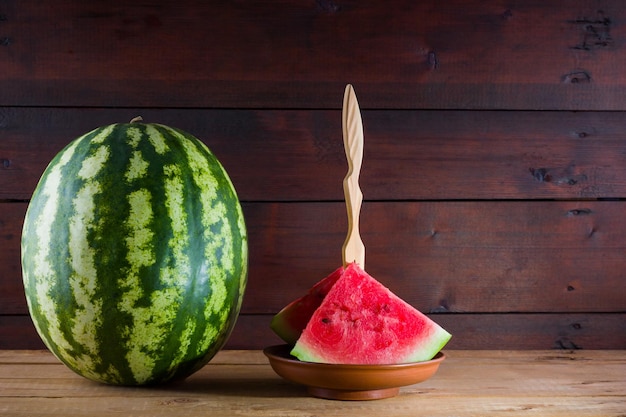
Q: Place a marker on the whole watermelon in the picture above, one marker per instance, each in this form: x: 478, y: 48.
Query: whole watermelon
x: 134, y: 255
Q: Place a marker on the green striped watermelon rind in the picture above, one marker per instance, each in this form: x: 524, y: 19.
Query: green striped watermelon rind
x: 134, y: 254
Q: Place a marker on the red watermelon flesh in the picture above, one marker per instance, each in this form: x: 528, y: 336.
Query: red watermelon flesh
x: 293, y: 318
x: 360, y: 321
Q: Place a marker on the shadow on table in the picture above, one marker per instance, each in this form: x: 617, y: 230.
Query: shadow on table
x: 252, y: 387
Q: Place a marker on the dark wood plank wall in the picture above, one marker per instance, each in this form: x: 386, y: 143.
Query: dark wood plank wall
x: 494, y: 173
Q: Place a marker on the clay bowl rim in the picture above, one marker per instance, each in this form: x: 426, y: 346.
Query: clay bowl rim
x: 359, y: 379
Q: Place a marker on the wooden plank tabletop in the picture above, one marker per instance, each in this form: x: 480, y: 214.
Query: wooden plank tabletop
x: 549, y: 383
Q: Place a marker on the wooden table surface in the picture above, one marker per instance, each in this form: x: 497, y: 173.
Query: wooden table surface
x: 241, y: 383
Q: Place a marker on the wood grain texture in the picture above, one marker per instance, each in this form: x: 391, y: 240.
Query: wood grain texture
x: 430, y: 54
x: 483, y: 331
x: 353, y: 249
x: 12, y: 298
x: 441, y: 256
x: 451, y: 256
x: 467, y: 384
x: 494, y: 170
x: 297, y: 155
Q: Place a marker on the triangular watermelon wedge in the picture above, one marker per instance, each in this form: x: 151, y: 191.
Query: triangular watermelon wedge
x: 360, y: 321
x: 293, y: 318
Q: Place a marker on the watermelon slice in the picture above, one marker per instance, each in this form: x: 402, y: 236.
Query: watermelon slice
x: 360, y: 321
x: 293, y: 318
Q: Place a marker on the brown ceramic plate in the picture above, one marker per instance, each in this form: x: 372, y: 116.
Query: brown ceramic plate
x: 350, y: 382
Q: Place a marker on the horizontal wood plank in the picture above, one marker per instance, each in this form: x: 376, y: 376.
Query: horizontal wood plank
x: 12, y: 299
x: 542, y: 256
x: 469, y: 331
x: 294, y: 155
x: 485, y: 331
x: 447, y: 54
x: 467, y: 384
x: 449, y: 256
